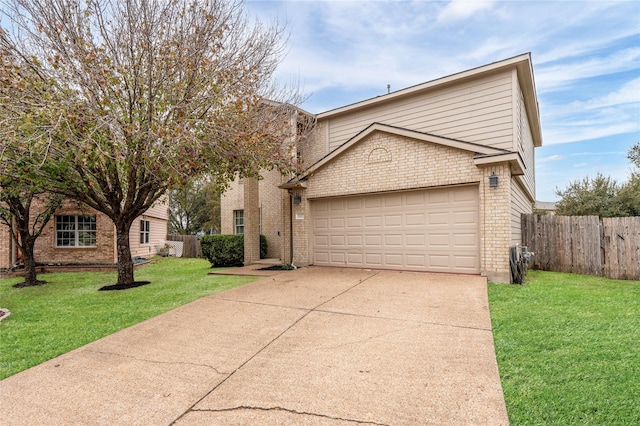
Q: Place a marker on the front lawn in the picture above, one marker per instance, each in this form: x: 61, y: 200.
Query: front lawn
x: 568, y: 349
x: 69, y: 311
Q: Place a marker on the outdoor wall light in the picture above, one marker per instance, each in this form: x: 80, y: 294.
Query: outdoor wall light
x: 297, y: 199
x: 493, y: 180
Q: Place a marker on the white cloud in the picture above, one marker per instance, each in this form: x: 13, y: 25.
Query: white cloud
x: 458, y: 10
x: 627, y: 93
x: 550, y: 159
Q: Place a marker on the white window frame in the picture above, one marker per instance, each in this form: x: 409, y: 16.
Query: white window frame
x: 75, y: 231
x: 238, y: 221
x: 145, y: 232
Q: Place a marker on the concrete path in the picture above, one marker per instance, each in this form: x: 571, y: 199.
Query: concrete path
x: 315, y: 346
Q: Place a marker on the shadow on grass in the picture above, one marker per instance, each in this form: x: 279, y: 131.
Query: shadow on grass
x: 123, y: 286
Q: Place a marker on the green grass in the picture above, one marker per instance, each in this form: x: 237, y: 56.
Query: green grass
x: 69, y: 311
x: 568, y: 349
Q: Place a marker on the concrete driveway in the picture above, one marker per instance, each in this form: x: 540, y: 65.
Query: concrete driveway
x: 315, y: 346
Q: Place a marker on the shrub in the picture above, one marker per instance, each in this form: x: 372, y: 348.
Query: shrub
x: 263, y: 246
x: 227, y: 250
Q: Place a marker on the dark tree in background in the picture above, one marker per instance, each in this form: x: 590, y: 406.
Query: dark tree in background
x: 193, y: 208
x: 603, y: 196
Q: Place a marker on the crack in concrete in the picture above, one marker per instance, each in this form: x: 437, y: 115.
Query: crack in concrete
x: 271, y: 343
x: 223, y: 373
x: 288, y: 410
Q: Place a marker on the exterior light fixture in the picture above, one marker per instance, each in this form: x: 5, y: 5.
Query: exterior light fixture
x: 493, y: 180
x: 297, y: 199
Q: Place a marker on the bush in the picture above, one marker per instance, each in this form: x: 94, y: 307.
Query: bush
x: 263, y: 246
x: 227, y: 250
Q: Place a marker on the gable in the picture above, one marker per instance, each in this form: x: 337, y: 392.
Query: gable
x: 384, y: 161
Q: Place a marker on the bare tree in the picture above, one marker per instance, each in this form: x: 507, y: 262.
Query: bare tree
x: 135, y: 97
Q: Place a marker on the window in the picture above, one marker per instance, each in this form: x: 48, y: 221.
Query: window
x: 145, y: 231
x: 238, y: 221
x: 75, y: 231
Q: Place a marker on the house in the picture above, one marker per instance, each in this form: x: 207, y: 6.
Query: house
x: 80, y: 235
x: 433, y: 178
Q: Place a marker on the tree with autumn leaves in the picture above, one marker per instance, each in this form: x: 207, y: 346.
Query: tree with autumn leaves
x: 124, y: 100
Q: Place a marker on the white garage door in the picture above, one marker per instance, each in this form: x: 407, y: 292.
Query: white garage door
x: 430, y: 230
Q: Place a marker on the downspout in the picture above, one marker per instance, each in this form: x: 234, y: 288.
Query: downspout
x: 291, y: 224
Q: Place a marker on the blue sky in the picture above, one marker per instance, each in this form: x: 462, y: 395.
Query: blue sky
x: 586, y: 59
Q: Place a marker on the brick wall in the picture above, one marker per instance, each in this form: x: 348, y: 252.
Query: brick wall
x: 104, y: 252
x: 5, y: 247
x: 495, y: 223
x: 386, y: 162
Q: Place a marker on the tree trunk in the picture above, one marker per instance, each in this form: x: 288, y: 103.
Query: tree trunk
x: 28, y: 259
x: 123, y: 247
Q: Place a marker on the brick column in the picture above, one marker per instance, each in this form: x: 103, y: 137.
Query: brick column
x: 285, y: 246
x: 251, y: 221
x: 495, y: 223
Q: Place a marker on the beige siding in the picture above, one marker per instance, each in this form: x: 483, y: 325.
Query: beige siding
x: 520, y: 203
x: 478, y: 111
x: 524, y: 142
x: 158, y: 232
x: 159, y: 210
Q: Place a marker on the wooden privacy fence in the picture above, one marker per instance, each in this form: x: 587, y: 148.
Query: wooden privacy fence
x: 191, y: 244
x: 607, y: 247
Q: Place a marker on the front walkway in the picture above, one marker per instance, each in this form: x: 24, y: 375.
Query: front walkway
x: 319, y: 346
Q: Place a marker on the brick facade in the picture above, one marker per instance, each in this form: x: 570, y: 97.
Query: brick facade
x: 104, y: 251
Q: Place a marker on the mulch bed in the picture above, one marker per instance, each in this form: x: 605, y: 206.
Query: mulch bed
x: 24, y: 284
x: 277, y: 268
x: 123, y: 286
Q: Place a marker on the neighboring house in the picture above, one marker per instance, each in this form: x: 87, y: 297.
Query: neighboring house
x: 80, y: 235
x: 545, y: 207
x: 433, y: 177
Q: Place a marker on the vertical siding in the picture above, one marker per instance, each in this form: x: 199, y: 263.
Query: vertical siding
x: 520, y: 204
x: 480, y: 111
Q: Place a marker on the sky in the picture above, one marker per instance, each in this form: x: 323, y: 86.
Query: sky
x: 586, y: 62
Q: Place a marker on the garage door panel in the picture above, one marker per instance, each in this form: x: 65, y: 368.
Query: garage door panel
x: 415, y: 219
x: 393, y: 240
x: 373, y: 259
x: 337, y: 240
x: 373, y: 221
x: 321, y: 257
x: 439, y: 218
x: 337, y: 222
x: 355, y: 259
x: 425, y: 230
x: 322, y: 240
x: 393, y: 220
x: 393, y: 260
x: 354, y: 240
x: 413, y: 240
x: 465, y: 240
x: 321, y: 223
x: 374, y: 241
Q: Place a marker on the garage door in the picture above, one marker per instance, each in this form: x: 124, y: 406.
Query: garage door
x: 430, y: 230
